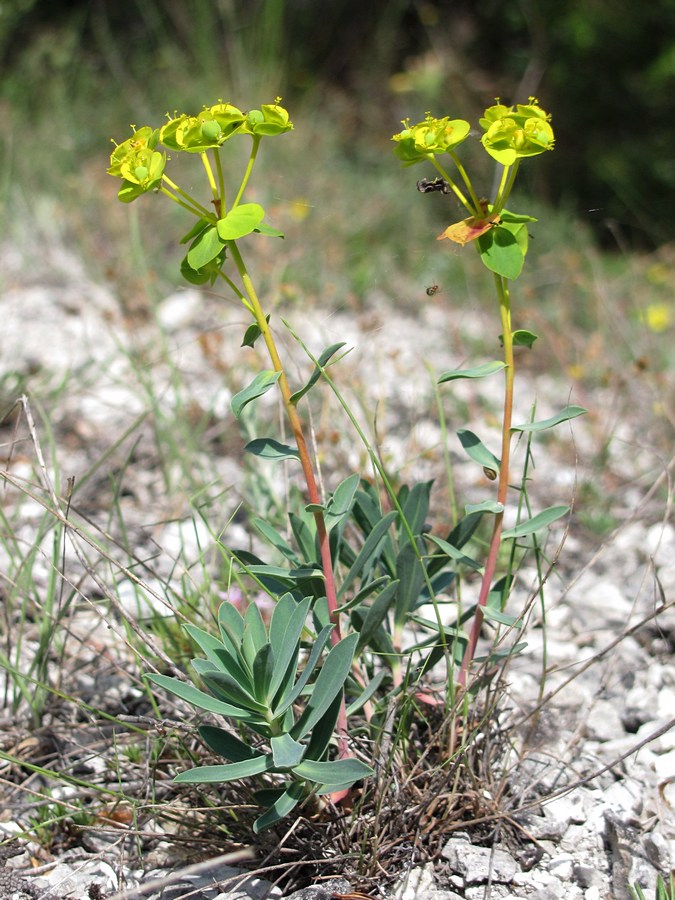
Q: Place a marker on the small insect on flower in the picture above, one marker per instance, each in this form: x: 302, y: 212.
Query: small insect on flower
x: 432, y: 289
x: 424, y: 186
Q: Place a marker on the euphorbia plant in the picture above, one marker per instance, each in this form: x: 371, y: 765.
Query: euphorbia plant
x: 362, y: 559
x: 252, y: 673
x: 510, y: 134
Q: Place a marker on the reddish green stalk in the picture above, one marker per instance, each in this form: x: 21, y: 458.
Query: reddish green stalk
x: 307, y: 468
x: 503, y: 484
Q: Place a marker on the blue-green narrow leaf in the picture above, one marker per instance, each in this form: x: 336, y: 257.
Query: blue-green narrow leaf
x: 286, y: 752
x: 340, y: 771
x: 488, y: 368
x: 455, y: 554
x: 340, y: 504
x: 477, y: 450
x: 316, y: 374
x: 226, y: 744
x: 569, y: 412
x: 198, y: 698
x: 268, y: 448
x: 487, y: 506
x: 536, y: 523
x: 281, y: 807
x: 328, y: 685
x: 228, y: 772
x: 260, y: 385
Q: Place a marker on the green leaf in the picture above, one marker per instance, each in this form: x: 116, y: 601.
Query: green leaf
x: 221, y: 683
x: 367, y: 693
x: 478, y: 451
x: 495, y: 655
x: 240, y: 221
x: 268, y: 448
x: 415, y: 507
x: 231, y: 663
x: 268, y: 230
x: 454, y: 553
x: 226, y: 744
x: 541, y: 520
x: 340, y: 504
x: 193, y: 277
x: 281, y: 807
x: 205, y: 641
x: 304, y: 532
x: 374, y: 615
x: 328, y: 685
x: 229, y: 772
x: 523, y: 338
x: 322, y: 732
x: 273, y: 537
x: 199, y: 226
x: 507, y: 216
x: 501, y: 252
x: 569, y: 412
x: 129, y: 191
x: 291, y: 694
x: 252, y: 333
x: 286, y: 752
x: 285, y: 633
x: 198, y: 698
x: 316, y: 374
x: 370, y: 587
x: 496, y: 615
x: 255, y: 634
x: 488, y: 368
x: 206, y: 246
x: 260, y: 385
x: 410, y: 574
x: 487, y: 506
x: 263, y: 669
x: 370, y: 549
x: 339, y: 771
x: 231, y: 624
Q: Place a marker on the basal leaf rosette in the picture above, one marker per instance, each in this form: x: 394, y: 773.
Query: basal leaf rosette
x: 137, y: 163
x: 425, y: 140
x: 206, y: 131
x: 269, y: 120
x: 514, y: 133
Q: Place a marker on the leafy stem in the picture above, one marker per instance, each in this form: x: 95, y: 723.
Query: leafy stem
x: 467, y: 181
x: 249, y: 169
x: 503, y: 483
x: 305, y: 462
x: 507, y: 180
x: 176, y: 194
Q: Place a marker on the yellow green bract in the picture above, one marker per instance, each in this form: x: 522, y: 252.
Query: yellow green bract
x: 513, y: 133
x: 424, y: 140
x: 510, y: 133
x: 142, y: 167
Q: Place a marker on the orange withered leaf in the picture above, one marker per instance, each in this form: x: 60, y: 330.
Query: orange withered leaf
x: 469, y: 229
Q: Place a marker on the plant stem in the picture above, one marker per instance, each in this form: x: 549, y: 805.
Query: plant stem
x: 308, y: 471
x: 249, y: 169
x: 491, y: 563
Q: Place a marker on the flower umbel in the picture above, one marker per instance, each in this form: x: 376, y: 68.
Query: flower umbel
x: 423, y: 141
x: 137, y: 162
x: 511, y: 134
x: 210, y: 129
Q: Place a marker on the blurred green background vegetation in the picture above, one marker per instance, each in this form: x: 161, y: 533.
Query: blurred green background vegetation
x: 76, y: 73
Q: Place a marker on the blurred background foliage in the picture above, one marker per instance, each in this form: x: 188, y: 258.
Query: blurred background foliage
x: 75, y: 71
